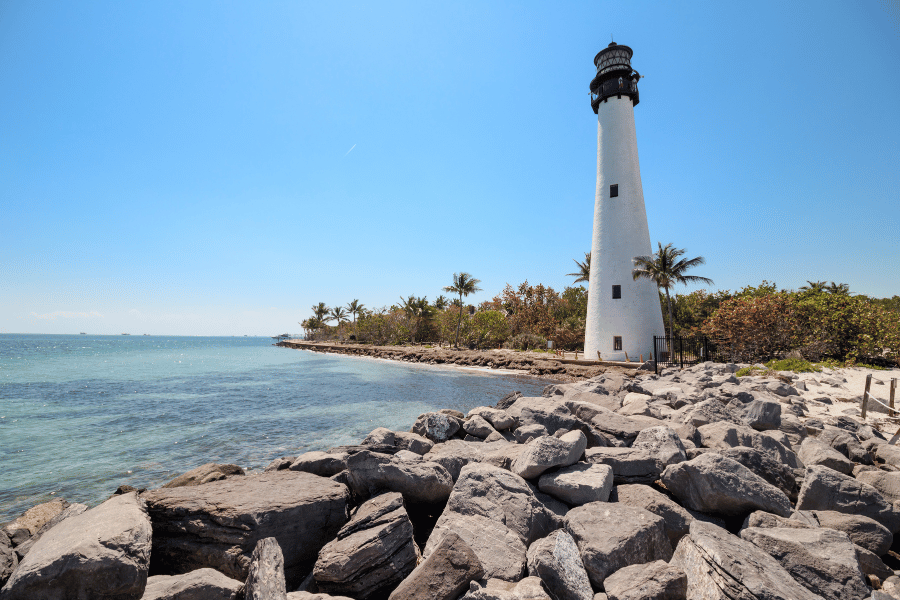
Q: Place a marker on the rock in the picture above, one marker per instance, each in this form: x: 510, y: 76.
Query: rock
x: 502, y: 454
x: 813, y: 452
x: 265, y: 578
x: 863, y: 531
x: 720, y: 566
x: 761, y: 518
x: 611, y: 424
x: 656, y: 580
x: 508, y: 400
x: 102, y: 553
x: 499, y: 419
x: 453, y: 455
x: 496, y: 436
x: 437, y: 427
x: 70, y: 511
x: 762, y: 415
x: 547, y: 452
x: 709, y: 411
x: 887, y: 484
x: 871, y: 564
x: 676, y: 519
x: 552, y: 414
x: 891, y: 586
x: 205, y: 474
x: 499, y: 549
x: 444, y: 575
x: 779, y: 388
x: 611, y: 536
x: 400, y: 439
x: 629, y: 465
x: 526, y: 433
x: 826, y: 489
x: 726, y: 435
x: 846, y: 443
x: 8, y: 559
x: 218, y: 524
x: 579, y: 483
x: 715, y: 484
x: 321, y: 463
x: 527, y: 589
x: 557, y: 561
x: 370, y: 473
x: 281, y: 463
x: 32, y: 520
x: 202, y: 584
x: 372, y: 553
x: 662, y: 443
x: 822, y: 560
x: 762, y: 463
x: 478, y: 426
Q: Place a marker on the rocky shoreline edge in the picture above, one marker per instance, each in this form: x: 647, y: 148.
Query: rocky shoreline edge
x: 545, y: 366
x: 689, y: 484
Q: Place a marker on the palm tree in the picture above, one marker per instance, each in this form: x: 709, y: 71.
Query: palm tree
x: 840, y: 289
x: 354, y: 308
x: 814, y: 286
x: 340, y: 315
x: 665, y: 270
x: 440, y: 302
x: 321, y: 311
x: 416, y: 309
x: 463, y: 284
x: 584, y: 269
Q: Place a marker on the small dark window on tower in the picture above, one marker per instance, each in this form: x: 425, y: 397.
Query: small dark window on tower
x: 617, y: 292
x: 614, y: 190
x: 617, y: 342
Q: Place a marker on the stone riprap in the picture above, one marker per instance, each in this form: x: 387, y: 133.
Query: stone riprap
x: 688, y: 484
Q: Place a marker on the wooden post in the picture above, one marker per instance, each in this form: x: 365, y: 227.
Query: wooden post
x: 865, y: 398
x: 893, y: 391
x: 626, y: 358
x: 598, y: 355
x: 642, y: 359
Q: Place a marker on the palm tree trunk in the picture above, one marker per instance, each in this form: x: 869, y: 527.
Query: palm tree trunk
x: 671, y: 324
x: 459, y: 322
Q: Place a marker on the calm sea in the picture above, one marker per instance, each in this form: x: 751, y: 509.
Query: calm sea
x: 81, y: 415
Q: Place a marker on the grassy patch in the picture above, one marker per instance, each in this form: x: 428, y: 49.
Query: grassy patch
x: 797, y: 365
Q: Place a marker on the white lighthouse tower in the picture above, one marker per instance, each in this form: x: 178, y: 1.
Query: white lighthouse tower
x: 623, y: 315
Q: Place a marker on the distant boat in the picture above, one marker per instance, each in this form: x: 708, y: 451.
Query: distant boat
x: 126, y: 334
x: 146, y: 334
x: 82, y: 333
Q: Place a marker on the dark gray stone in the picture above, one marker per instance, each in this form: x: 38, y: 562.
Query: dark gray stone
x: 826, y: 489
x: 205, y: 474
x: 629, y: 465
x: 727, y: 435
x: 435, y: 426
x: 557, y: 561
x: 265, y: 577
x: 371, y: 473
x: 201, y: 584
x: 762, y: 463
x: 579, y: 483
x: 813, y: 452
x: 677, y: 519
x: 444, y: 575
x: 656, y: 580
x: 8, y: 559
x: 762, y: 415
x: 863, y: 531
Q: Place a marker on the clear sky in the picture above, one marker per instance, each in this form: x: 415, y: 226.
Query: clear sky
x: 212, y: 167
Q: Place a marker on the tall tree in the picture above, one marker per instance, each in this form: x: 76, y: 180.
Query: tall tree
x: 418, y: 310
x: 584, y: 269
x: 463, y: 284
x: 340, y: 315
x: 321, y: 311
x: 814, y: 286
x: 440, y: 302
x: 665, y: 270
x: 839, y: 289
x: 354, y: 308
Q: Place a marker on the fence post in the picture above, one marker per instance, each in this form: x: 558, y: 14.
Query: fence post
x: 893, y: 390
x: 656, y: 352
x: 865, y: 398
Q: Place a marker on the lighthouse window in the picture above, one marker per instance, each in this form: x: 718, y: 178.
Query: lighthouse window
x: 617, y: 342
x: 614, y: 190
x: 617, y: 292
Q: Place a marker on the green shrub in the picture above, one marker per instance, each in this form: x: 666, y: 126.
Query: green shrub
x: 743, y: 372
x: 797, y: 365
x: 525, y: 341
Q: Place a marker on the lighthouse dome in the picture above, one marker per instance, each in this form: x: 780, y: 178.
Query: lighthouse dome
x: 613, y: 58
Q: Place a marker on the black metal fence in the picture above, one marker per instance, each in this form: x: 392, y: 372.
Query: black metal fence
x: 681, y: 351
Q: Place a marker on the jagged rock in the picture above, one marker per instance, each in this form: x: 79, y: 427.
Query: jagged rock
x: 656, y: 580
x: 887, y: 484
x: 762, y: 415
x: 614, y: 425
x: 579, y: 483
x: 32, y: 520
x: 709, y: 411
x: 611, y: 536
x: 444, y: 575
x: 891, y: 586
x: 871, y: 564
x: 720, y: 566
x: 102, y: 553
x: 846, y: 443
x: 727, y: 435
x: 508, y: 400
x: 761, y: 518
x: 500, y: 454
x: 478, y: 426
x: 527, y: 589
x: 826, y: 489
x: 281, y: 463
x: 662, y: 443
x: 499, y: 419
x: 499, y: 549
x: 201, y: 584
x: 526, y: 433
x: 863, y: 531
x: 320, y: 463
x: 676, y: 519
x: 453, y: 455
x: 813, y: 452
x: 540, y: 411
x: 762, y: 463
x: 437, y: 427
x: 205, y: 474
x: 715, y: 484
x: 372, y: 553
x: 407, y: 455
x: 265, y: 578
x: 370, y: 473
x: 401, y: 439
x: 557, y: 561
x: 822, y: 560
x: 217, y: 525
x: 8, y: 559
x: 629, y: 465
x: 547, y: 452
x: 70, y: 511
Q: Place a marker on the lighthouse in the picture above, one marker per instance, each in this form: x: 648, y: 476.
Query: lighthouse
x: 623, y: 315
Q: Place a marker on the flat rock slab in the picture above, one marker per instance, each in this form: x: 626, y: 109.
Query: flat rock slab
x: 444, y: 575
x: 611, y: 536
x: 371, y: 473
x: 822, y: 560
x: 205, y: 474
x: 813, y: 452
x: 202, y: 584
x: 826, y: 489
x: 712, y: 483
x: 102, y: 553
x: 557, y: 561
x: 323, y: 464
x: 579, y: 483
x: 721, y: 566
x: 218, y: 524
x: 499, y: 550
x: 863, y: 531
x: 656, y: 580
x: 629, y: 465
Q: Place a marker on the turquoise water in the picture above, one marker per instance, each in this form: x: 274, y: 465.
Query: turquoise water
x: 81, y: 415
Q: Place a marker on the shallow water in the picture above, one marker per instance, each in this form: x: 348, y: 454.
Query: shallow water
x: 81, y: 415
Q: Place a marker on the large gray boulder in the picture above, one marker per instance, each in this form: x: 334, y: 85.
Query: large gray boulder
x: 499, y: 419
x: 444, y: 575
x: 202, y: 584
x: 822, y: 560
x: 265, y: 577
x: 435, y: 426
x: 778, y: 474
x: 400, y: 439
x: 847, y: 443
x: 372, y: 553
x: 813, y: 452
x: 721, y: 566
x: 370, y: 473
x: 762, y: 415
x: 677, y: 520
x: 714, y: 484
x: 31, y: 521
x: 547, y: 452
x: 724, y: 435
x: 205, y: 474
x: 579, y: 483
x: 550, y: 414
x: 863, y: 531
x: 887, y: 484
x: 611, y: 536
x: 709, y: 411
x: 70, y: 511
x: 529, y: 588
x: 8, y: 559
x: 218, y: 524
x: 662, y: 443
x: 323, y: 464
x: 453, y: 455
x: 102, y: 553
x: 557, y: 561
x: 478, y: 426
x: 629, y: 465
x: 622, y: 428
x: 500, y: 550
x: 826, y: 489
x: 656, y: 580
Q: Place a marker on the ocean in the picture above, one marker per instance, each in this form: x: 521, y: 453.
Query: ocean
x: 81, y: 415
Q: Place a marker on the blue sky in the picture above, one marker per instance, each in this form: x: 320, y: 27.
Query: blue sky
x: 219, y: 167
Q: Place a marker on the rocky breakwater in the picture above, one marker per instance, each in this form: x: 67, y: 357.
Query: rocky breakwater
x: 691, y: 484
